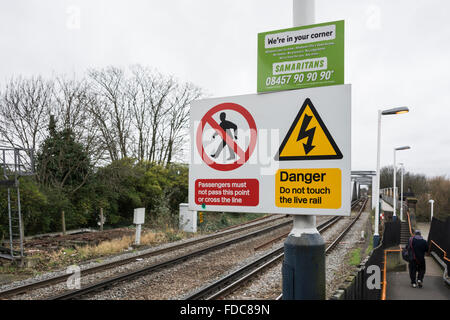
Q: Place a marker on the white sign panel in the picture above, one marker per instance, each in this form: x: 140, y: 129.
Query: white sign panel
x: 139, y: 216
x: 286, y: 152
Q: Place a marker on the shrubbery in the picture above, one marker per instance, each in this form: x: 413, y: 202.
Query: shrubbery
x: 118, y: 188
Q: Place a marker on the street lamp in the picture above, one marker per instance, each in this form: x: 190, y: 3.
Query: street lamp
x: 395, y: 181
x: 402, y: 169
x: 400, y: 110
x: 432, y: 204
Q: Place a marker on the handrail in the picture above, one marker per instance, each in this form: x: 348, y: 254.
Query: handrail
x: 383, y: 293
x: 445, y: 253
x: 409, y: 223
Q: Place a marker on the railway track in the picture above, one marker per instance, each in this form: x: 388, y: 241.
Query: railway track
x: 102, y: 267
x: 128, y: 276
x: 109, y: 282
x: 234, y: 280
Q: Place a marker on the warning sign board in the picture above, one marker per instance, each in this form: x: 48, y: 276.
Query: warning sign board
x: 308, y: 138
x: 227, y: 192
x: 301, y: 57
x: 285, y: 152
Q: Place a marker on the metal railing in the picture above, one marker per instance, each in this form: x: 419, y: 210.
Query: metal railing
x: 384, y: 282
x: 443, y: 251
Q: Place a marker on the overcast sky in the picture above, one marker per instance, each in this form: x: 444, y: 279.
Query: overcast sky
x: 396, y: 53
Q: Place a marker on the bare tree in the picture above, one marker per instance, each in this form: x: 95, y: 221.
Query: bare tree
x: 24, y: 107
x: 178, y: 118
x: 74, y: 101
x: 139, y: 88
x: 161, y: 88
x: 112, y: 112
x: 115, y: 113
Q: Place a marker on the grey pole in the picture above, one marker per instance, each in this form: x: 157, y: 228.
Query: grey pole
x: 394, y: 217
x: 304, y: 249
x: 376, y: 234
x: 432, y: 204
x: 401, y: 192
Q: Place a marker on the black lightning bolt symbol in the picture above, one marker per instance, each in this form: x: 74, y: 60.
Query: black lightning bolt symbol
x: 307, y: 134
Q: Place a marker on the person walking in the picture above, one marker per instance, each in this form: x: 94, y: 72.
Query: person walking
x: 418, y: 247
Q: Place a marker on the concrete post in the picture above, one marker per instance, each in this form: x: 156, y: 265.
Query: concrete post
x: 303, y: 268
x: 138, y: 220
x: 374, y: 186
x: 376, y: 234
x: 101, y: 219
x: 432, y: 205
x: 401, y: 193
x: 63, y: 221
x: 137, y: 239
x: 412, y: 203
x: 394, y: 195
x: 187, y: 218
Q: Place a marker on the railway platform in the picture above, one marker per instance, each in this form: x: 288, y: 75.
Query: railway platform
x: 434, y: 288
x: 399, y: 285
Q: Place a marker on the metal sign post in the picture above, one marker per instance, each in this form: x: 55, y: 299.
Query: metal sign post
x: 304, y: 249
x: 248, y: 156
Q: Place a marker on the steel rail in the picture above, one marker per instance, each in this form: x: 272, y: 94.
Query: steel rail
x: 57, y: 279
x: 340, y: 236
x: 245, y: 272
x: 330, y: 223
x: 346, y: 230
x: 241, y: 275
x: 155, y: 267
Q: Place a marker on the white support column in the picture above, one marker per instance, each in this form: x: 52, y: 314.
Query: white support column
x: 374, y: 186
x: 432, y: 205
x: 394, y: 195
x: 303, y: 13
x: 401, y: 194
x: 376, y: 234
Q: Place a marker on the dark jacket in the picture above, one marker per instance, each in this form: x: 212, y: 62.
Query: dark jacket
x: 420, y: 247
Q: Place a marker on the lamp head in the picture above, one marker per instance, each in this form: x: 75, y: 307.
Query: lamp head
x: 402, y: 148
x: 398, y: 110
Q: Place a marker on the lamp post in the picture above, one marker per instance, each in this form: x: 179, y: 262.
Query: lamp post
x: 395, y: 181
x: 402, y: 170
x: 432, y: 204
x: 400, y: 110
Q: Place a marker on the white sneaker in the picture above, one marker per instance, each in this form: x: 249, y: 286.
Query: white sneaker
x: 414, y: 285
x: 419, y: 282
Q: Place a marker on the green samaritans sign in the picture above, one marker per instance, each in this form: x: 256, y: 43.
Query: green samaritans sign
x: 301, y: 57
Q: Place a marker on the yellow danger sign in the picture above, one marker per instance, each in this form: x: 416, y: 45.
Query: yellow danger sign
x: 308, y: 188
x: 308, y: 138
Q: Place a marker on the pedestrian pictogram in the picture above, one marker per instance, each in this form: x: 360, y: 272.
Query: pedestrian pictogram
x: 308, y: 138
x: 227, y: 126
x: 227, y: 131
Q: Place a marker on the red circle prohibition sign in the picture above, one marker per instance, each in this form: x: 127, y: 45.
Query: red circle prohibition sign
x: 243, y: 156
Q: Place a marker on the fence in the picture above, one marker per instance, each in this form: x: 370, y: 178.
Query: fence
x: 439, y: 239
x: 363, y: 285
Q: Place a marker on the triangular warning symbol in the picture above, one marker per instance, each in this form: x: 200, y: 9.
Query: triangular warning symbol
x: 308, y: 138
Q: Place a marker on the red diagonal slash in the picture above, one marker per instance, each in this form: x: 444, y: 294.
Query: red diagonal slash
x: 243, y: 156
